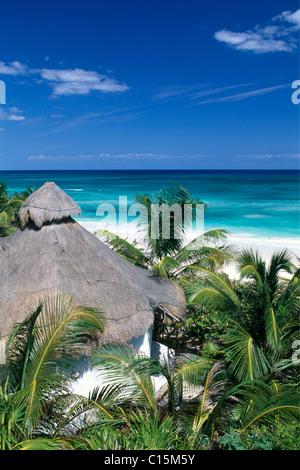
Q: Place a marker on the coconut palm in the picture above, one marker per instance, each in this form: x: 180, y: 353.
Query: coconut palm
x: 163, y: 225
x: 9, y: 209
x: 198, y: 395
x: 165, y: 221
x: 172, y: 257
x: 125, y: 365
x: 202, y: 251
x: 261, y: 310
x: 37, y: 369
x: 155, y: 410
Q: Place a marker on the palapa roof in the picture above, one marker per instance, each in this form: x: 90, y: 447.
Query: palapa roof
x: 53, y: 251
x: 47, y: 204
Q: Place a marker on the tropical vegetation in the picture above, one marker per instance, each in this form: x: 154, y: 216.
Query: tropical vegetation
x: 232, y: 384
x: 9, y: 206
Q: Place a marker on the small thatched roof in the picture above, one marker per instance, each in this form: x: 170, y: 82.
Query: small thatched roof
x: 47, y: 204
x: 52, y: 251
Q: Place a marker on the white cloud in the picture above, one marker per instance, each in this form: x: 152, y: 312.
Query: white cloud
x: 66, y: 81
x: 270, y: 38
x: 15, y: 117
x: 60, y: 157
x: 80, y: 82
x: 93, y: 157
x: 111, y: 156
x: 291, y: 17
x: 14, y: 68
x: 271, y: 155
x: 12, y: 114
x: 254, y: 41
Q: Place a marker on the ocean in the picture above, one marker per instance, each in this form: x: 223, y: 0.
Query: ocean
x: 256, y: 207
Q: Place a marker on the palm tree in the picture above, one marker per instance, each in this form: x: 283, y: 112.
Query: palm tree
x: 9, y: 209
x: 165, y: 222
x: 37, y: 368
x: 168, y: 254
x: 172, y: 257
x: 198, y: 396
x: 202, y: 251
x: 261, y: 311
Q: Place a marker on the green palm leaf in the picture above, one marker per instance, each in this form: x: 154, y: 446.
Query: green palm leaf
x: 192, y: 368
x: 247, y: 360
x: 117, y: 364
x: 211, y: 236
x: 197, y: 411
x: 124, y: 248
x: 3, y: 218
x: 264, y: 403
x: 43, y: 444
x: 215, y: 290
x: 165, y: 267
x: 273, y: 333
x: 55, y: 329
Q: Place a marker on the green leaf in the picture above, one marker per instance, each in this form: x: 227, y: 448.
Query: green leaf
x: 43, y: 444
x: 118, y: 364
x: 247, y: 360
x: 165, y: 267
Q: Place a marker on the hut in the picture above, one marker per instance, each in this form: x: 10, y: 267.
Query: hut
x: 53, y: 251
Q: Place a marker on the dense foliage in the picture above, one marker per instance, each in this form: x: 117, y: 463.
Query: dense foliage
x: 9, y: 206
x: 232, y: 384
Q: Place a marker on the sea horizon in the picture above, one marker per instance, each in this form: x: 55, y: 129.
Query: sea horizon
x: 166, y: 170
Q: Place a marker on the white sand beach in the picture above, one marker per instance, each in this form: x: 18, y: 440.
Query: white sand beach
x: 266, y: 246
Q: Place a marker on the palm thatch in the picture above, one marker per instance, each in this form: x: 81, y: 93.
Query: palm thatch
x: 52, y: 251
x: 47, y: 204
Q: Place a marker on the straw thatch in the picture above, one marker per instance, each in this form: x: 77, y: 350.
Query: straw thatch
x: 52, y: 251
x: 47, y: 204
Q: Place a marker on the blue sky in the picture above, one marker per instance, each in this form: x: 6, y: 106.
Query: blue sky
x: 144, y: 84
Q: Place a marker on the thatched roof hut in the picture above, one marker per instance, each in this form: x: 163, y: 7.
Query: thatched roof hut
x: 53, y: 251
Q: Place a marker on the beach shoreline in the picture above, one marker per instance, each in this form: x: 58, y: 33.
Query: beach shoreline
x: 266, y: 246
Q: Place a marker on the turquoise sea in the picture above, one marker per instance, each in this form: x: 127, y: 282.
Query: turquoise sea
x: 250, y: 204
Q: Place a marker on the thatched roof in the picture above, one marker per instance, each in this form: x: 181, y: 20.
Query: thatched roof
x: 52, y: 251
x: 47, y: 204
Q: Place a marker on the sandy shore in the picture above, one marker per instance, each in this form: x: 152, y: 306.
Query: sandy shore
x: 266, y: 246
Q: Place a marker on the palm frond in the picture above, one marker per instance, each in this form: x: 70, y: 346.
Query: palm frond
x: 273, y: 333
x: 213, y: 289
x: 221, y: 255
x: 149, y: 432
x: 264, y: 403
x: 165, y: 267
x: 192, y: 369
x: 211, y: 236
x: 19, y: 347
x: 290, y: 295
x: 124, y: 248
x: 118, y: 364
x: 252, y: 266
x: 53, y: 330
x: 247, y: 360
x: 197, y: 411
x: 3, y: 218
x: 43, y: 444
x: 280, y: 261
